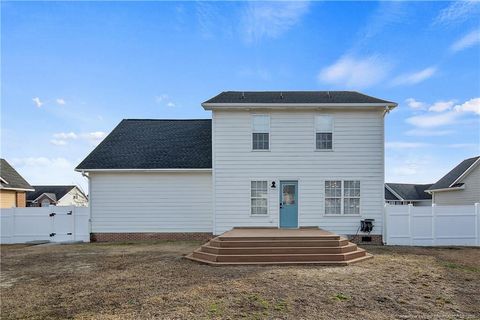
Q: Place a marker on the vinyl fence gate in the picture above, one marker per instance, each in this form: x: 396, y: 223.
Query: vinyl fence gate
x: 55, y: 224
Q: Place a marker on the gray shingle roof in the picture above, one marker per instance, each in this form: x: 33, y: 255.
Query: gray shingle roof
x: 409, y: 191
x: 57, y: 191
x: 447, y: 180
x: 154, y: 144
x: 250, y: 97
x: 12, y: 177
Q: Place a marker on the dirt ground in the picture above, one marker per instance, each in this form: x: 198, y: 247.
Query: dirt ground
x: 151, y: 280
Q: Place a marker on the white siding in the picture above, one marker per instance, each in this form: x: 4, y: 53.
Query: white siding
x: 73, y: 198
x: 358, y: 155
x: 151, y: 202
x: 469, y: 195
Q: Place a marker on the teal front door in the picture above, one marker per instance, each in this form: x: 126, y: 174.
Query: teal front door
x: 288, y: 204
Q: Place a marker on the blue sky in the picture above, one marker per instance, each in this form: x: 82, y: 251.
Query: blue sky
x: 72, y: 70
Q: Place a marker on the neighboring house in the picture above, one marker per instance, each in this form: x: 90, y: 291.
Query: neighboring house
x: 45, y: 196
x: 12, y: 187
x: 461, y: 186
x: 406, y: 193
x: 266, y: 159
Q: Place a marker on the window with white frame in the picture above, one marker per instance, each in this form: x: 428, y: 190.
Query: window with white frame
x: 259, y: 193
x: 260, y: 132
x: 324, y: 132
x: 342, y: 197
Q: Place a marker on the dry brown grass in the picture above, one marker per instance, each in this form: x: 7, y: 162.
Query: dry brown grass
x: 152, y: 280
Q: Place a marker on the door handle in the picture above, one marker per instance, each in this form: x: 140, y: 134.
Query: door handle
x: 281, y: 206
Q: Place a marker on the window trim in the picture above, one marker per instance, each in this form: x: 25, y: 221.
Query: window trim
x: 253, y: 115
x: 315, y: 132
x: 250, y: 199
x: 342, y: 208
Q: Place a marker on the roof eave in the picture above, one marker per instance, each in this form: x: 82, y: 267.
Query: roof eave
x: 147, y: 170
x: 445, y: 189
x: 17, y: 189
x: 211, y: 106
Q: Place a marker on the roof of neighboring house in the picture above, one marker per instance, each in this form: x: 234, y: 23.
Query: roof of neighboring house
x: 53, y: 192
x: 448, y: 180
x: 154, y: 144
x: 11, y: 179
x: 295, y: 97
x: 407, y: 191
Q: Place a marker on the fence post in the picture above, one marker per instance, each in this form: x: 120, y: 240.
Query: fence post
x: 385, y: 220
x: 434, y: 217
x: 477, y: 223
x: 410, y: 223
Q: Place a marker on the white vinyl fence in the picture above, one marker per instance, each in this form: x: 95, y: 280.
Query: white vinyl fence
x: 56, y: 224
x: 432, y: 226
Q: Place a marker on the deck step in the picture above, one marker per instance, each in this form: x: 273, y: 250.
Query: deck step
x: 279, y: 257
x: 349, y: 247
x: 263, y: 238
x: 278, y: 243
x: 280, y: 263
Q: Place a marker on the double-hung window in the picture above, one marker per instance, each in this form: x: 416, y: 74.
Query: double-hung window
x: 342, y: 197
x: 324, y: 132
x: 258, y: 196
x: 260, y: 132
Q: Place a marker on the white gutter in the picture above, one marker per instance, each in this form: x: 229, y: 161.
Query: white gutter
x: 445, y: 189
x: 144, y: 170
x: 17, y: 189
x: 210, y: 106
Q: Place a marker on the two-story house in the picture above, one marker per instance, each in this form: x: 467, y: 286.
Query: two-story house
x: 265, y: 159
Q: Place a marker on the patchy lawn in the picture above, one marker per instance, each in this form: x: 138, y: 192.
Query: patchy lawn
x: 152, y: 280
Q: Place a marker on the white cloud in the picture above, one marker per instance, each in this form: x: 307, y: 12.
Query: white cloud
x: 164, y: 99
x: 414, y: 104
x: 58, y: 142
x: 457, y: 11
x: 428, y: 133
x: 37, y: 102
x: 464, y: 146
x: 414, y: 77
x: 469, y: 40
x: 65, y: 135
x: 62, y: 138
x: 353, y: 72
x: 271, y: 19
x: 161, y: 98
x: 435, y: 120
x: 405, y: 145
x: 94, y: 137
x: 472, y: 105
x: 441, y: 106
x: 44, y: 170
x: 61, y: 101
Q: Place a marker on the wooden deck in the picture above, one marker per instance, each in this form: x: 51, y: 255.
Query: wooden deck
x: 278, y: 246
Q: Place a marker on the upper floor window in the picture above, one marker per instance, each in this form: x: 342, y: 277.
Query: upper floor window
x: 260, y: 132
x: 324, y: 132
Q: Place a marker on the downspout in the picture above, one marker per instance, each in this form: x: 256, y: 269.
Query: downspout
x: 386, y: 110
x: 86, y: 175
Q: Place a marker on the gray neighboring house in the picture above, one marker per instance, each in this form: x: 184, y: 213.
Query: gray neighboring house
x: 407, y: 193
x: 461, y: 186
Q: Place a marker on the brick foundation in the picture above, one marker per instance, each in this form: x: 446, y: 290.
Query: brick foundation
x: 136, y: 236
x: 376, y: 239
